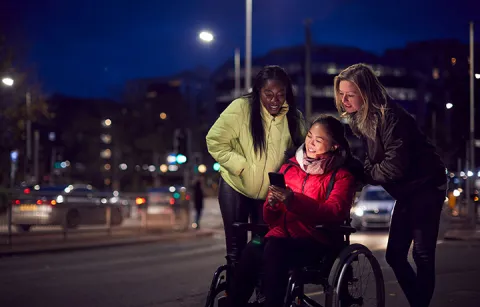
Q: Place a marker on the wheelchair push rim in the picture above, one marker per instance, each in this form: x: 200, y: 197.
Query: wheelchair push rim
x: 347, y: 281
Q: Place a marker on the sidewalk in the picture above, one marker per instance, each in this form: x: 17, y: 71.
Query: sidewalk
x: 89, y: 242
x: 459, y: 229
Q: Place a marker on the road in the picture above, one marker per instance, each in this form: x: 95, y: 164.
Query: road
x: 178, y: 274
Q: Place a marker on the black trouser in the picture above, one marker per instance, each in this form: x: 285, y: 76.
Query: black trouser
x: 416, y: 218
x: 236, y: 207
x: 275, y: 257
x: 198, y: 215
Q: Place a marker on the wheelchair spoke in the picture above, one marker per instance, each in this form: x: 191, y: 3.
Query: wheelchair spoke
x: 359, y: 293
x: 352, y: 279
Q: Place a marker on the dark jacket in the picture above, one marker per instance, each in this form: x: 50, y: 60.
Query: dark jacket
x: 198, y: 195
x: 401, y: 159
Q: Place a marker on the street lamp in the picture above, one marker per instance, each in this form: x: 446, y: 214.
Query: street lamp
x: 449, y: 105
x: 208, y: 38
x: 28, y: 126
x: 7, y: 81
x: 248, y: 45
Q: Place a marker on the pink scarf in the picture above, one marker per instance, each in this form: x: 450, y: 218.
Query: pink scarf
x: 322, y: 164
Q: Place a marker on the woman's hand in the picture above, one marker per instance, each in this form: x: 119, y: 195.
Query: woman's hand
x: 277, y: 195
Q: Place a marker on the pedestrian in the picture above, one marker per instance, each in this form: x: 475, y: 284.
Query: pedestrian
x: 249, y: 140
x: 400, y: 159
x: 198, y: 197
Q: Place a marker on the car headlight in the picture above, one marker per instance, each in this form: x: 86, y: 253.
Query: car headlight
x: 358, y: 211
x: 113, y: 200
x: 59, y: 199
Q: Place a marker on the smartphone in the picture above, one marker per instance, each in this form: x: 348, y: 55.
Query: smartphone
x: 277, y: 179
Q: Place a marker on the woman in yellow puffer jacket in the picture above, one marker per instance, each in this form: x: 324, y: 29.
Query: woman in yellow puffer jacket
x: 249, y: 140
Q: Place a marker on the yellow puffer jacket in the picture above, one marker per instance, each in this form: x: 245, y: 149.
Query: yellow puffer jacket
x: 230, y: 143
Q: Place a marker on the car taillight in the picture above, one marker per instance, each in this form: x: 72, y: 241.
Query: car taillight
x: 17, y: 202
x: 46, y: 202
x: 172, y: 201
x: 26, y: 191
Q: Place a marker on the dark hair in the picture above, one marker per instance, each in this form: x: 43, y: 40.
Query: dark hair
x: 257, y: 129
x: 336, y: 131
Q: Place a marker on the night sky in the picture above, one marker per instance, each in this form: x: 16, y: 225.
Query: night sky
x: 91, y: 47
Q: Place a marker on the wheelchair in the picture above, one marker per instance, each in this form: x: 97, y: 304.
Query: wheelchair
x: 336, y: 273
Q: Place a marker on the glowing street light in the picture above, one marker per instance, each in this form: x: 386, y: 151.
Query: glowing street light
x: 449, y: 105
x: 7, y: 81
x: 206, y: 36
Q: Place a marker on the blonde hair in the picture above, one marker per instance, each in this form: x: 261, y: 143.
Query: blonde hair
x: 373, y: 93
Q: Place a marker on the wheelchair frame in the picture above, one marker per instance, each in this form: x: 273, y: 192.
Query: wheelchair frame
x: 334, y: 283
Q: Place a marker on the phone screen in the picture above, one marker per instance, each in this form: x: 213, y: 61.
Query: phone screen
x: 277, y: 180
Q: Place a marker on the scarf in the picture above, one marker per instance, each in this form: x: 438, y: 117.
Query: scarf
x: 321, y: 165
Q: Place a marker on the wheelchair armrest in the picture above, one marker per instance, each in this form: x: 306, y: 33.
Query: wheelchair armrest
x: 340, y: 229
x: 251, y: 227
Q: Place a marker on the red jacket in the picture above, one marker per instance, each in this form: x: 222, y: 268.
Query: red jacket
x: 309, y: 207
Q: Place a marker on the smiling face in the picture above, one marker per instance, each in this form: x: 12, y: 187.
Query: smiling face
x: 272, y: 96
x: 318, y: 142
x: 350, y: 96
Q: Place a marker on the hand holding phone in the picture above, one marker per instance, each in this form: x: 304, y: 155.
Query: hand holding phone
x: 277, y: 179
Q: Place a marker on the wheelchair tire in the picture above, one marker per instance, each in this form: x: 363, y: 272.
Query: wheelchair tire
x: 217, y: 286
x: 337, y: 276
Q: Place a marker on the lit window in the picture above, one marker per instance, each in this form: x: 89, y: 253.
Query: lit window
x: 106, y: 154
x: 106, y: 138
x: 332, y: 69
x: 152, y: 94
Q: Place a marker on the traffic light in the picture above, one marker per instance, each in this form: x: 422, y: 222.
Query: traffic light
x: 180, y: 139
x: 180, y: 145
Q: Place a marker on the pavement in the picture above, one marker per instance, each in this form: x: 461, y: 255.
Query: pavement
x: 459, y: 228
x: 40, y: 245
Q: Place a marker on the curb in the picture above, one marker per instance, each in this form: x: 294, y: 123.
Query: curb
x: 74, y: 246
x: 466, y: 236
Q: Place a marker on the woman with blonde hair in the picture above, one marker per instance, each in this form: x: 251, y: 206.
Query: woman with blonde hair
x: 400, y: 159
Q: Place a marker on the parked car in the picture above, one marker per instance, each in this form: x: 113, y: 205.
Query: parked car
x: 372, y: 209
x: 65, y: 205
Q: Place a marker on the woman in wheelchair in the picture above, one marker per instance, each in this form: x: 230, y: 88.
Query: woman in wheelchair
x: 292, y: 213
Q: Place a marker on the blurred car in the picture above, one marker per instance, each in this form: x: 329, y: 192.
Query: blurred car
x: 373, y: 208
x: 65, y: 205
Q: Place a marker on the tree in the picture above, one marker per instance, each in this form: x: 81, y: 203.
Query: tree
x: 13, y: 109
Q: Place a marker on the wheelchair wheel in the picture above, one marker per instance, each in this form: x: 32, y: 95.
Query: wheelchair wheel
x: 216, y: 295
x: 350, y: 276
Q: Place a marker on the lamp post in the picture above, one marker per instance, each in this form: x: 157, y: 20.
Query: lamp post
x: 248, y: 45
x: 208, y: 37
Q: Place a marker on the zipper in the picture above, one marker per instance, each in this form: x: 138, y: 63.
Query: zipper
x: 304, y: 182
x: 266, y: 156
